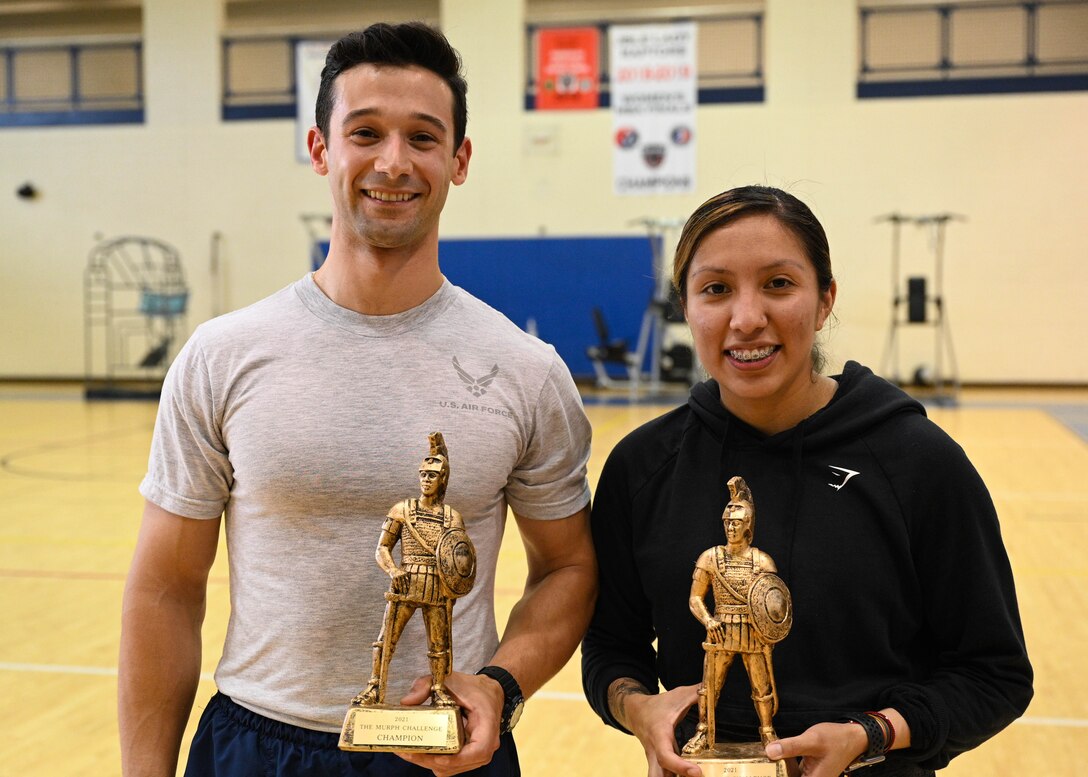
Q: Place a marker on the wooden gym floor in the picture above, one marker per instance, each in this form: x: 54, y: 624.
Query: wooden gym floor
x: 69, y: 513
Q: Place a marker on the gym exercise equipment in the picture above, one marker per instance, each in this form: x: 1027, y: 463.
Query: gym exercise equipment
x: 134, y: 304
x: 670, y: 361
x: 918, y: 306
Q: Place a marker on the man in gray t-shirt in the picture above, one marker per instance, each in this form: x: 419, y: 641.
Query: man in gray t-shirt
x: 295, y: 424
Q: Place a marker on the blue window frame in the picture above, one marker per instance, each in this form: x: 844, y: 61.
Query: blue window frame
x: 61, y: 84
x: 973, y: 48
x: 259, y: 77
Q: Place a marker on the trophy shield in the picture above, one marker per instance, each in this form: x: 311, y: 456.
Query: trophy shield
x: 772, y: 608
x: 752, y: 611
x: 437, y: 566
x: 456, y: 556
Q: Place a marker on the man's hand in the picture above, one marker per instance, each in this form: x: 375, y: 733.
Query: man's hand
x: 481, y: 700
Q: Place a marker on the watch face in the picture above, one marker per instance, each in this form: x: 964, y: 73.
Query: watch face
x: 515, y: 715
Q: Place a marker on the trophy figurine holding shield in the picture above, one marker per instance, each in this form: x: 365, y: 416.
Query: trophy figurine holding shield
x: 752, y: 612
x: 438, y: 565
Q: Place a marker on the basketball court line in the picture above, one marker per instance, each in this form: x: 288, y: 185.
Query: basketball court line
x: 11, y: 461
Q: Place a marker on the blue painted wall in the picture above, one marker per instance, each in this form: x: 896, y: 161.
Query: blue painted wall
x: 557, y: 281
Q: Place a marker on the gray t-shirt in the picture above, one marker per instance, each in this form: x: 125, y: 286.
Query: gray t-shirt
x: 302, y: 423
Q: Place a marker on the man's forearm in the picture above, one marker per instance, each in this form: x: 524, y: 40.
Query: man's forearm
x: 158, y: 676
x: 547, y: 623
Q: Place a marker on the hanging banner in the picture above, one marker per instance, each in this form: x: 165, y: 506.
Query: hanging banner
x: 309, y: 62
x: 568, y: 67
x: 653, y: 108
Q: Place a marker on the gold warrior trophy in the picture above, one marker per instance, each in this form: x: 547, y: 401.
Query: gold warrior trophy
x: 438, y: 565
x: 752, y: 612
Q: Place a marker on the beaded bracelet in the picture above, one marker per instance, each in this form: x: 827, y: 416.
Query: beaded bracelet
x: 889, y: 729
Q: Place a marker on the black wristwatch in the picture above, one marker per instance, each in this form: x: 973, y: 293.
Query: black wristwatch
x: 514, y: 700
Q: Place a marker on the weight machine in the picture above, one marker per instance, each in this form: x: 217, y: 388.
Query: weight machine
x: 671, y: 362
x: 914, y: 308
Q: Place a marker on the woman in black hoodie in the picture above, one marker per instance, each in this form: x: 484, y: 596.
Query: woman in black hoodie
x: 905, y: 614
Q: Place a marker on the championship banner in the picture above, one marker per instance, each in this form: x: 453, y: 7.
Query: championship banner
x: 309, y: 62
x: 653, y: 108
x: 567, y: 68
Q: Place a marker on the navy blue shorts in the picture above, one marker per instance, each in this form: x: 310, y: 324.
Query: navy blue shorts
x: 231, y: 741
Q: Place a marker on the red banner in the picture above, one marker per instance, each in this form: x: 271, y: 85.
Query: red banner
x: 568, y: 68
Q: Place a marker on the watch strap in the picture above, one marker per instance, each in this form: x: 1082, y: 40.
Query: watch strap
x: 512, y: 695
x: 877, y: 736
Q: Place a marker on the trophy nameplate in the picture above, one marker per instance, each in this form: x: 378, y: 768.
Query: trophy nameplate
x: 738, y: 760
x: 437, y: 566
x: 392, y: 728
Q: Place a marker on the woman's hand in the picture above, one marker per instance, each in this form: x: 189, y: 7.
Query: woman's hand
x: 826, y: 749
x: 652, y: 718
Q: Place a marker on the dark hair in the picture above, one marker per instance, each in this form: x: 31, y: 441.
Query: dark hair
x: 727, y: 207
x: 397, y: 45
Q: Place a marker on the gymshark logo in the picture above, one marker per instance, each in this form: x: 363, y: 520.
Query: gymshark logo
x: 845, y: 474
x: 478, y: 386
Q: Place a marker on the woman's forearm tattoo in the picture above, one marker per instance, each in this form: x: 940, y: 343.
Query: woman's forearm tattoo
x: 618, y: 692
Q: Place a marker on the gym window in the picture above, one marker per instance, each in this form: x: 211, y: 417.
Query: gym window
x: 259, y: 77
x: 980, y: 47
x: 259, y: 39
x: 76, y: 83
x: 71, y: 63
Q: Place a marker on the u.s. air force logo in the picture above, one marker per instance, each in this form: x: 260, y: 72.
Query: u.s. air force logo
x: 478, y: 386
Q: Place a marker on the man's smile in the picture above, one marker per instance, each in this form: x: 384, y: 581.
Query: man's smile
x: 389, y: 196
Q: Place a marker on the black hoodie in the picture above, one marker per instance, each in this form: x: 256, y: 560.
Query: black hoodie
x: 883, y: 531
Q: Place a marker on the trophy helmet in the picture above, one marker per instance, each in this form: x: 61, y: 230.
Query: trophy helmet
x: 437, y: 460
x: 741, y: 495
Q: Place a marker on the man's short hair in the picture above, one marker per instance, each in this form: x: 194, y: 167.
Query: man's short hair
x: 396, y: 45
